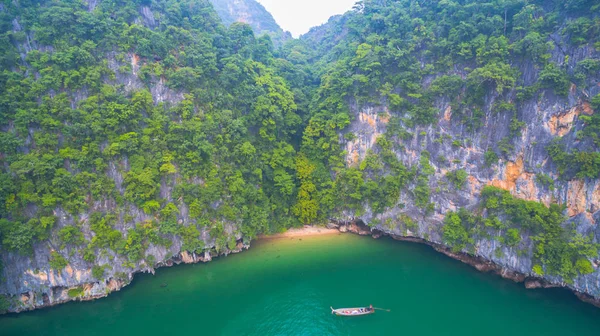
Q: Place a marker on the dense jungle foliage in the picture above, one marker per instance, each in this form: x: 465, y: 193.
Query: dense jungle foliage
x: 222, y: 127
x: 71, y: 126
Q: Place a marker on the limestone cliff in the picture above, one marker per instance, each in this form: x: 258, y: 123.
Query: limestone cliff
x: 27, y: 279
x: 252, y: 13
x: 452, y: 146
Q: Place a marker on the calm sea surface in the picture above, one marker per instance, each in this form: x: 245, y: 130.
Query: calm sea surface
x: 286, y: 286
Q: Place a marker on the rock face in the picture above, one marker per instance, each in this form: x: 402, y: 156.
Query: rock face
x: 37, y: 285
x: 452, y: 146
x: 252, y: 13
x: 43, y: 288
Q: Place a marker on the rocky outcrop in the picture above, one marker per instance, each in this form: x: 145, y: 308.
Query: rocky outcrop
x: 252, y: 13
x: 562, y: 123
x: 31, y: 282
x: 369, y: 125
x: 52, y: 288
x: 516, y: 174
x: 451, y: 147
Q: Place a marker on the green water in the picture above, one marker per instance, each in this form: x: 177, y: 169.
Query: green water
x: 285, y: 287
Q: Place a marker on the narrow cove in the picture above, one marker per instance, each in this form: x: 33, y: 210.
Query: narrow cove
x: 285, y: 286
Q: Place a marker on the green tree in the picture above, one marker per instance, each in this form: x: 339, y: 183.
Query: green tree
x: 454, y: 232
x: 57, y: 261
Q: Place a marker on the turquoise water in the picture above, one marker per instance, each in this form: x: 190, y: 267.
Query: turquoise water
x: 286, y: 286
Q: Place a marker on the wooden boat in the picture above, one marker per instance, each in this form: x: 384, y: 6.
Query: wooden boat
x: 353, y: 311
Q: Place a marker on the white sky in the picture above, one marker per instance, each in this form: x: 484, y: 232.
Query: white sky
x: 298, y: 16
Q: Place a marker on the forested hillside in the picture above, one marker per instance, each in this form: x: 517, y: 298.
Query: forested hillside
x: 142, y: 125
x: 136, y: 134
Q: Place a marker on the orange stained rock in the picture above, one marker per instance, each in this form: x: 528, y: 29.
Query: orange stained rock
x: 586, y: 108
x: 42, y: 276
x: 114, y: 285
x: 589, y: 217
x: 24, y: 298
x: 69, y: 270
x: 353, y: 152
x: 561, y: 124
x: 52, y: 279
x: 595, y: 201
x: 135, y: 59
x: 448, y: 113
x: 79, y: 274
x: 515, y: 172
x: 511, y: 174
x: 474, y: 184
x: 354, y: 158
x: 369, y: 119
x: 576, y: 198
x: 384, y: 117
x: 186, y: 257
x: 88, y: 287
x: 366, y: 139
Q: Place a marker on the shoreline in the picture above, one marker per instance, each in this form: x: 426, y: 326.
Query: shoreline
x: 479, y: 263
x: 305, y: 231
x: 183, y: 257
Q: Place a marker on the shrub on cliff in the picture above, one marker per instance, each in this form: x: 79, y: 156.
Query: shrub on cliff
x: 592, y: 123
x: 458, y: 178
x: 17, y: 236
x: 57, y: 261
x: 490, y: 158
x: 98, y: 271
x: 555, y: 78
x: 455, y: 232
x: 576, y: 164
x: 584, y: 266
x: 70, y: 235
x: 495, y: 75
x: 75, y: 292
x: 513, y: 237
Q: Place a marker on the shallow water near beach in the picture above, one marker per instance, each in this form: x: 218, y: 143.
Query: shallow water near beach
x: 285, y: 286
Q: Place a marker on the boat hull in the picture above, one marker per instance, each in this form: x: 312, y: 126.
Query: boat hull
x: 352, y: 311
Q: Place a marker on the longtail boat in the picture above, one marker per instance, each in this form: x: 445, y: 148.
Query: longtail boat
x: 353, y: 311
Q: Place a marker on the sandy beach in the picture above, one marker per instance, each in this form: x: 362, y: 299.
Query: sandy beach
x: 302, y: 232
